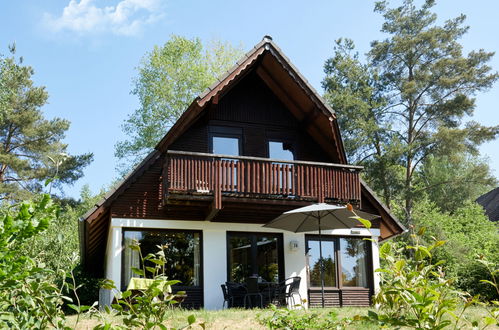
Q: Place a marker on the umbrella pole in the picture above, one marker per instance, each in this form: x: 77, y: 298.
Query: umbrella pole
x: 322, y: 263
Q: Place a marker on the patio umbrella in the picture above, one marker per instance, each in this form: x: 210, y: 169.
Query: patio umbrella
x: 317, y: 217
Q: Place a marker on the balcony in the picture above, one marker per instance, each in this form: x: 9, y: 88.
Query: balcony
x: 205, y: 175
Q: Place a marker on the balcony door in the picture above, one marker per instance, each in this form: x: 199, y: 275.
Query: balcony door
x: 227, y: 141
x: 281, y: 150
x: 255, y: 254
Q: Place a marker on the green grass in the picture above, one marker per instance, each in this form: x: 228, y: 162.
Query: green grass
x: 247, y: 319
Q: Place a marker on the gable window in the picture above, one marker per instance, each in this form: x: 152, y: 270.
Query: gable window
x: 280, y: 150
x: 183, y: 254
x: 345, y: 261
x: 225, y: 145
x: 225, y: 140
x: 250, y: 254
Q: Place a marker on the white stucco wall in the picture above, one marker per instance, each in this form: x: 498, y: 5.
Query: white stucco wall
x: 215, y: 251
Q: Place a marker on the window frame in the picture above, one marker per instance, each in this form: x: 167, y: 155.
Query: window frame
x: 171, y: 230
x: 280, y: 250
x: 225, y: 132
x: 283, y: 141
x: 337, y: 256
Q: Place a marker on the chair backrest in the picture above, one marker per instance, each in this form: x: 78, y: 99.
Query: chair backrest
x: 252, y: 284
x: 224, y: 291
x: 282, y: 287
x: 295, y: 285
x: 234, y: 289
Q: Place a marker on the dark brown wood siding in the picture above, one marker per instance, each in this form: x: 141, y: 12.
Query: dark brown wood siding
x: 252, y: 107
x: 144, y: 196
x: 339, y: 298
x: 193, y: 297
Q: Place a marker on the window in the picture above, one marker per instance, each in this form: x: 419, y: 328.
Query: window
x: 225, y: 140
x: 345, y: 261
x: 280, y: 150
x: 251, y: 254
x: 225, y: 145
x: 328, y: 255
x: 183, y: 255
x: 353, y: 262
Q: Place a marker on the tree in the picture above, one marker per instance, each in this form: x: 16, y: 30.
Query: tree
x: 425, y: 87
x: 31, y: 147
x: 451, y: 180
x: 356, y: 92
x: 168, y: 80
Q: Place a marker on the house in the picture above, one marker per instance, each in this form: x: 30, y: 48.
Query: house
x: 259, y: 142
x: 490, y: 202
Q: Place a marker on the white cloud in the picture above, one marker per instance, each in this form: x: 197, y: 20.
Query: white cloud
x: 125, y: 18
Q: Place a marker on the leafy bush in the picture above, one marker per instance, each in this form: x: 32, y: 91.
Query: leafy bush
x: 148, y: 308
x: 468, y: 233
x: 284, y: 318
x: 28, y: 296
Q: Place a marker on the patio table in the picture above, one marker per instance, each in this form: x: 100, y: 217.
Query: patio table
x: 137, y: 283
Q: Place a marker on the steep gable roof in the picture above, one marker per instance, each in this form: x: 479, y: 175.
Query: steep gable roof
x: 293, y: 90
x: 490, y: 202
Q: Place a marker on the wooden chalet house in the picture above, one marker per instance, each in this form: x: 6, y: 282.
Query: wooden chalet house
x: 259, y: 142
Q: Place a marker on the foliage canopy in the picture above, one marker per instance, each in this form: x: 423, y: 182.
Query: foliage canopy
x: 410, y: 99
x: 31, y: 147
x: 169, y: 78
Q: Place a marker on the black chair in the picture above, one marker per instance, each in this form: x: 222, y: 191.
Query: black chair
x: 252, y: 290
x: 286, y: 291
x: 236, y: 293
x: 294, y: 289
x: 227, y: 299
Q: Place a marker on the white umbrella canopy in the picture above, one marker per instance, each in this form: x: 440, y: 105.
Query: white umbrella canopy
x: 319, y: 216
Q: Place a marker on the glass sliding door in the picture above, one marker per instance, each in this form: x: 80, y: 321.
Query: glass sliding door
x: 346, y: 261
x: 240, y: 266
x: 267, y: 258
x: 182, y: 253
x: 254, y: 254
x: 282, y: 151
x: 353, y: 262
x: 314, y: 264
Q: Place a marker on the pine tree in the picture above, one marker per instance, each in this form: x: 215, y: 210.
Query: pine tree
x: 31, y: 147
x: 423, y: 87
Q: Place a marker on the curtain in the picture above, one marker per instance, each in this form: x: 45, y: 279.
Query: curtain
x: 131, y: 257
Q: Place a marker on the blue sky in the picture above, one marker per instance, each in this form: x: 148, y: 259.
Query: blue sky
x: 85, y: 52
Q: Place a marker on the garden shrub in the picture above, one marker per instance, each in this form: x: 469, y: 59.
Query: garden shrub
x: 149, y: 308
x: 415, y: 292
x: 28, y: 296
x: 468, y: 233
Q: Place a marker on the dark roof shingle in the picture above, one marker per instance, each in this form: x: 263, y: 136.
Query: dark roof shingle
x: 490, y: 202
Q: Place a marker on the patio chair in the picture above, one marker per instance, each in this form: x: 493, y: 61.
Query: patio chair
x: 294, y: 289
x: 226, y: 303
x: 236, y: 292
x: 286, y: 291
x: 252, y: 291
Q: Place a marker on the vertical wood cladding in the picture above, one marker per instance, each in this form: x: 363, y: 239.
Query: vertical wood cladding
x: 253, y: 107
x: 339, y: 297
x: 143, y: 198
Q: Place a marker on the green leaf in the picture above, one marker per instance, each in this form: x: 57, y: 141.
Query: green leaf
x: 385, y: 250
x: 364, y: 222
x: 191, y: 319
x: 137, y: 271
x: 126, y: 294
x: 488, y: 282
x: 74, y: 307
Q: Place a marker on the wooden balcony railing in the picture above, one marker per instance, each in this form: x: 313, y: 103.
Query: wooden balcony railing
x: 210, y: 174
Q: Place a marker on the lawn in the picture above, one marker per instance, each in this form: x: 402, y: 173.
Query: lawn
x: 246, y: 319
